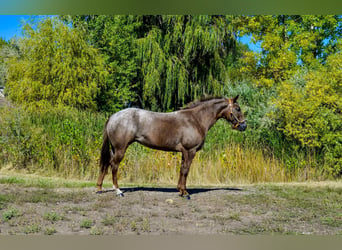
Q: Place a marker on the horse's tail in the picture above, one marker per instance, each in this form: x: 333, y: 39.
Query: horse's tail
x: 105, y: 151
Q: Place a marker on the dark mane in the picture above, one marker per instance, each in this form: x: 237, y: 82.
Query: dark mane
x: 201, y: 101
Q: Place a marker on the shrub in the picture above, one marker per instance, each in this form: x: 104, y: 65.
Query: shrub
x: 309, y: 111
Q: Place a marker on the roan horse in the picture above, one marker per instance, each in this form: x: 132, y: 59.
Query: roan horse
x: 180, y: 131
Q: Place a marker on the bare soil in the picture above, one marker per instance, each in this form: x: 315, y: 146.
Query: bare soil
x: 155, y: 211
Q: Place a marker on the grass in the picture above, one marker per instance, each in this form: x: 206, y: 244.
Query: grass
x: 33, y: 180
x: 65, y: 143
x: 32, y: 229
x: 52, y: 216
x: 86, y: 223
x: 11, y: 213
x: 96, y: 231
x: 109, y: 220
x: 50, y: 231
x: 300, y: 206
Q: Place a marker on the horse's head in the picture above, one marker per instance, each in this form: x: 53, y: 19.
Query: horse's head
x: 234, y: 114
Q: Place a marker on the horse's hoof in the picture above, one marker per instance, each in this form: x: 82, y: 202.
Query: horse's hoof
x: 99, y: 192
x: 187, y: 197
x: 121, y: 195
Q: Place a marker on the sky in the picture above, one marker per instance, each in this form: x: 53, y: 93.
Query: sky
x: 10, y: 26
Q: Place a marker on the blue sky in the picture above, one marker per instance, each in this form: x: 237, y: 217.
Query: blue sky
x: 10, y: 26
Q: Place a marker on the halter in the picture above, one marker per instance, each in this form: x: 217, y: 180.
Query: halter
x: 239, y: 122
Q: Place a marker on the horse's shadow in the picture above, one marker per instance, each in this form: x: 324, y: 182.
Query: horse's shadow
x: 169, y: 190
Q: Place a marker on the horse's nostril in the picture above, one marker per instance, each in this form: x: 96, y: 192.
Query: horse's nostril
x: 243, y: 127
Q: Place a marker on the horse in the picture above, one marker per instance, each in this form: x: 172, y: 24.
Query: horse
x: 182, y: 131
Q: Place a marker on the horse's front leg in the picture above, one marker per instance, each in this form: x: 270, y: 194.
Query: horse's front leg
x: 187, y: 157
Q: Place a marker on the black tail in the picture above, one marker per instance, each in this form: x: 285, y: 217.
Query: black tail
x: 105, y: 151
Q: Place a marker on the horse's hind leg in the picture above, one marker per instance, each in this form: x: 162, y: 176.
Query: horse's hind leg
x: 115, y: 163
x: 187, y: 157
x: 100, y: 181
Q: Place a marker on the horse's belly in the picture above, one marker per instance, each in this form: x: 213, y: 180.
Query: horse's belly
x: 160, y: 143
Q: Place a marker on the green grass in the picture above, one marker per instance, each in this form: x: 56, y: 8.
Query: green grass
x: 32, y: 229
x: 52, y: 216
x: 33, y: 180
x: 10, y: 214
x: 110, y: 220
x: 50, y: 231
x: 86, y: 223
x: 65, y: 143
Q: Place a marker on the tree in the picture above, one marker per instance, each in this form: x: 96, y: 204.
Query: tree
x: 288, y: 42
x: 309, y: 110
x: 184, y: 57
x: 3, y: 68
x: 161, y: 62
x: 56, y: 66
x: 114, y: 37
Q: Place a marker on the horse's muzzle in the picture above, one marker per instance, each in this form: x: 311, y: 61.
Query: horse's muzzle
x: 242, y: 126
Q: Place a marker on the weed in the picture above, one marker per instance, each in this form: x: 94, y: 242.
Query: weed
x: 74, y: 209
x: 52, y: 216
x: 96, y: 231
x: 11, y: 213
x: 235, y: 216
x: 145, y: 225
x: 86, y: 223
x: 109, y: 220
x: 330, y: 221
x: 3, y: 200
x: 31, y: 229
x: 134, y: 226
x: 50, y: 231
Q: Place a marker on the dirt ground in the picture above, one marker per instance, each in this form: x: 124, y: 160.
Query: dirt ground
x: 157, y: 211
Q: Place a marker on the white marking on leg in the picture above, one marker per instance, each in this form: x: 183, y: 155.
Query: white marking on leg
x: 118, y: 191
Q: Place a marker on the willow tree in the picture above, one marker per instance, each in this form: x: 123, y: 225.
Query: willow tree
x: 56, y: 66
x: 182, y: 58
x: 160, y: 62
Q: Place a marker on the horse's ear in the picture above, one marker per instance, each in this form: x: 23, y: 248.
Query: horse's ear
x: 235, y: 98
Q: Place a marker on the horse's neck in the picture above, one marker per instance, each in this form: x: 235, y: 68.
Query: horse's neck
x: 208, y: 114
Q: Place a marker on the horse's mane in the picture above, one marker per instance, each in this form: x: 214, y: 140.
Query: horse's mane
x: 201, y: 101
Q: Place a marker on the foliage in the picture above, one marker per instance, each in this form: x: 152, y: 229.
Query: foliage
x: 309, y: 110
x: 56, y: 66
x: 86, y: 223
x: 161, y: 62
x: 114, y: 37
x: 58, y: 140
x: 183, y: 58
x: 7, y: 50
x: 287, y: 43
x: 11, y: 213
x: 290, y: 90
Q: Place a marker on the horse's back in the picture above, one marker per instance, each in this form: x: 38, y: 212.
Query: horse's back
x: 135, y: 120
x: 153, y: 129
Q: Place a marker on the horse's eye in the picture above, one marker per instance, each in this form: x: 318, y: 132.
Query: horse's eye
x: 238, y: 109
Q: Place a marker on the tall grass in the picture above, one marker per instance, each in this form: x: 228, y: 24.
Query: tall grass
x: 51, y: 141
x: 65, y: 142
x: 230, y: 164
